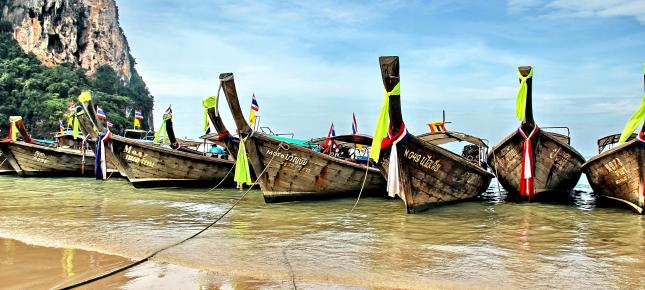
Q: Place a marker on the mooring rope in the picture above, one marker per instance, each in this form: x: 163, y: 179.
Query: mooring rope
x: 362, y: 186
x: 222, y: 181
x: 140, y: 261
x: 292, y: 276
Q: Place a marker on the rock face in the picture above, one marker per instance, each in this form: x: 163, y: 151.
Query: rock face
x: 85, y: 33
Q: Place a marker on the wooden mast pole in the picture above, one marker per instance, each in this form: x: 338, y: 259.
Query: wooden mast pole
x: 390, y: 76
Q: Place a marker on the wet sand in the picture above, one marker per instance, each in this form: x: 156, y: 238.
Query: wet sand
x: 24, y: 266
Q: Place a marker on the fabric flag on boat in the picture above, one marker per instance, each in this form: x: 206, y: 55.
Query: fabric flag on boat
x: 169, y: 110
x: 61, y: 127
x: 109, y: 124
x: 354, y: 124
x: 100, y: 164
x: 330, y: 143
x: 242, y: 171
x: 634, y: 121
x: 162, y: 130
x: 137, y: 117
x: 99, y: 113
x: 520, y: 105
x: 437, y: 127
x: 382, y: 124
x: 71, y: 109
x: 254, y: 109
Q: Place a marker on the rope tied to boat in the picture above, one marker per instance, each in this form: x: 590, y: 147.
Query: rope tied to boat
x: 520, y: 104
x: 147, y: 258
x: 527, y: 176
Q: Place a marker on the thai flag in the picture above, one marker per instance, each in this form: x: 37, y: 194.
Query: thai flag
x: 138, y: 115
x: 109, y: 124
x: 354, y: 124
x: 100, y: 114
x: 331, y: 134
x: 254, y: 104
x: 169, y: 110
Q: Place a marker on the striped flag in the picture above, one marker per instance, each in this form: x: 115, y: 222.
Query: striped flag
x: 437, y: 127
x: 138, y: 115
x: 100, y: 114
x: 169, y: 110
x: 254, y: 109
x: 109, y: 124
x: 354, y: 124
x: 330, y: 143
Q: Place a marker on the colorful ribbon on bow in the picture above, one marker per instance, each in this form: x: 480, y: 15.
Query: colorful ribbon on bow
x: 100, y: 164
x: 382, y: 124
x: 527, y: 178
x: 13, y: 129
x: 162, y: 130
x: 207, y: 103
x: 520, y: 104
x: 242, y: 171
x: 394, y: 186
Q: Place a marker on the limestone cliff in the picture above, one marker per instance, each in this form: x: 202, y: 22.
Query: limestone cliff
x: 85, y: 33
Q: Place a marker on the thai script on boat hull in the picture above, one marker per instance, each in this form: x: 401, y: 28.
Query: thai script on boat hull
x: 41, y: 157
x: 424, y: 160
x: 138, y: 157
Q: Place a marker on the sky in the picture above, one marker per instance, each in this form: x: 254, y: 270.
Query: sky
x: 311, y: 63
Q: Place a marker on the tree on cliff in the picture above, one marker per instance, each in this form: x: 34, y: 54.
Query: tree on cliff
x: 41, y: 94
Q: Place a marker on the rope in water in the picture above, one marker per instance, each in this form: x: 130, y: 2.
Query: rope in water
x: 140, y: 261
x: 367, y: 168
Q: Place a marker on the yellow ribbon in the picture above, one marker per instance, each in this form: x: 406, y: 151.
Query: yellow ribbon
x: 633, y: 122
x: 207, y: 103
x: 383, y: 122
x: 85, y: 96
x: 242, y: 171
x: 14, y: 128
x: 520, y: 106
x: 162, y: 128
x: 75, y: 127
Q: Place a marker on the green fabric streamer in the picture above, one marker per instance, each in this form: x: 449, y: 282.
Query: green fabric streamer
x: 85, y: 96
x: 633, y: 122
x: 242, y: 172
x: 162, y: 130
x: 520, y: 106
x: 14, y: 128
x: 207, y: 103
x: 382, y: 123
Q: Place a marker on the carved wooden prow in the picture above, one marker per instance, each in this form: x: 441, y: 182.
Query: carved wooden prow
x: 20, y: 124
x: 88, y: 121
x: 171, y: 134
x: 529, y: 122
x: 228, y: 84
x: 390, y: 75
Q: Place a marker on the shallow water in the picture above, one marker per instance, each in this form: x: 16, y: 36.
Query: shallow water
x: 486, y: 243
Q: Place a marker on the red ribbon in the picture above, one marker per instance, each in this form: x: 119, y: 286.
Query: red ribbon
x: 387, y: 142
x: 641, y: 140
x: 527, y: 181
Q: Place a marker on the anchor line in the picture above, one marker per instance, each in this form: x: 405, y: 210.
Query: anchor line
x: 362, y: 186
x: 147, y: 258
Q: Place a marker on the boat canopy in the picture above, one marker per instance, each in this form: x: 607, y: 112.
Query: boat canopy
x: 300, y: 142
x: 349, y: 138
x: 610, y: 140
x: 439, y: 138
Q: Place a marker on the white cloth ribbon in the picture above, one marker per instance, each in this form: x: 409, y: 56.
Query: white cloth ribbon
x: 394, y: 186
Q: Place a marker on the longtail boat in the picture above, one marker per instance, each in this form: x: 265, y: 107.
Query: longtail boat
x: 221, y: 135
x: 31, y: 157
x: 619, y: 173
x: 422, y: 174
x: 289, y: 171
x: 150, y: 165
x: 532, y: 163
x: 5, y: 166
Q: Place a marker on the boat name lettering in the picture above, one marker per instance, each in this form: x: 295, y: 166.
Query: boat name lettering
x: 138, y: 157
x: 616, y: 167
x: 560, y: 158
x: 41, y: 157
x: 426, y: 161
x: 288, y: 157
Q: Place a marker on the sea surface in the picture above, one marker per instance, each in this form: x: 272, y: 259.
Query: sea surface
x: 481, y: 244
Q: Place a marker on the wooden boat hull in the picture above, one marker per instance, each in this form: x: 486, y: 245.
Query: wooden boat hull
x: 5, y: 166
x: 154, y: 166
x: 431, y: 175
x: 37, y: 160
x: 618, y: 174
x: 557, y: 166
x: 296, y: 173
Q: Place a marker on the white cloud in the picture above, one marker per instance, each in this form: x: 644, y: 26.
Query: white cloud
x: 581, y: 8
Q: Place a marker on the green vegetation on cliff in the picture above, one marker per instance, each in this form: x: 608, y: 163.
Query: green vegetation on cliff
x: 41, y: 94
